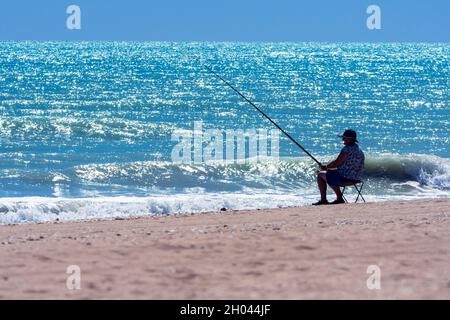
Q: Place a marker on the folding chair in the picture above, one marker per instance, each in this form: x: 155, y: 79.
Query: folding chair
x: 355, y: 184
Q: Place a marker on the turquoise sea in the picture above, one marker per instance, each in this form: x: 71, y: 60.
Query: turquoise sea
x: 85, y: 127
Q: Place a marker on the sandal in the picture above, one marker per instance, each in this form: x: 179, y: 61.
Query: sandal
x: 321, y: 202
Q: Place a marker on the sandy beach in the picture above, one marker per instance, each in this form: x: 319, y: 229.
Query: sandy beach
x: 293, y: 253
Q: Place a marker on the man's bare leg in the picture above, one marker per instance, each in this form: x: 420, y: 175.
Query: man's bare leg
x: 339, y: 195
x: 322, y: 183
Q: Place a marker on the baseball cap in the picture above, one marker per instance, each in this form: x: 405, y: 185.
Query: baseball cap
x: 349, y: 133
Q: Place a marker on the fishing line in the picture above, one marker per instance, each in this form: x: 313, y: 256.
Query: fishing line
x: 262, y: 112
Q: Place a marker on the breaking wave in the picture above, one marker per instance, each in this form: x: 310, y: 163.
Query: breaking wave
x: 286, y: 173
x: 168, y: 188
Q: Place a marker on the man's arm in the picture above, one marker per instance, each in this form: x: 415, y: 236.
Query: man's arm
x: 336, y: 163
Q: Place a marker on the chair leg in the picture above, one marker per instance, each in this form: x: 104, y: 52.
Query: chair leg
x: 343, y: 197
x: 359, y: 192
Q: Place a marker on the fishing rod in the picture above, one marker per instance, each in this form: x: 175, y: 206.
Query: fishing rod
x: 265, y: 115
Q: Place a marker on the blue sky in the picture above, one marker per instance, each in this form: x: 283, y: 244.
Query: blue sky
x: 227, y: 20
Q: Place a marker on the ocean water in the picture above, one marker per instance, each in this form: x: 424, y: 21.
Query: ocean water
x: 85, y: 128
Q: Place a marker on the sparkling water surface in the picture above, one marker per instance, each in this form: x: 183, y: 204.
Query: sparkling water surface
x: 94, y: 119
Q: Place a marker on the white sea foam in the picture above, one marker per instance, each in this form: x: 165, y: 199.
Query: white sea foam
x: 42, y: 209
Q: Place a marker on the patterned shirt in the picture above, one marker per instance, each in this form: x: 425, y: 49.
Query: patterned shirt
x: 354, y: 164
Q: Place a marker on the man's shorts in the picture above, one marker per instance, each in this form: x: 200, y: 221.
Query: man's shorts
x: 334, y: 179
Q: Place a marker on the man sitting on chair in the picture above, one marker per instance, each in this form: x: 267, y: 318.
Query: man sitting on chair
x: 345, y: 170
